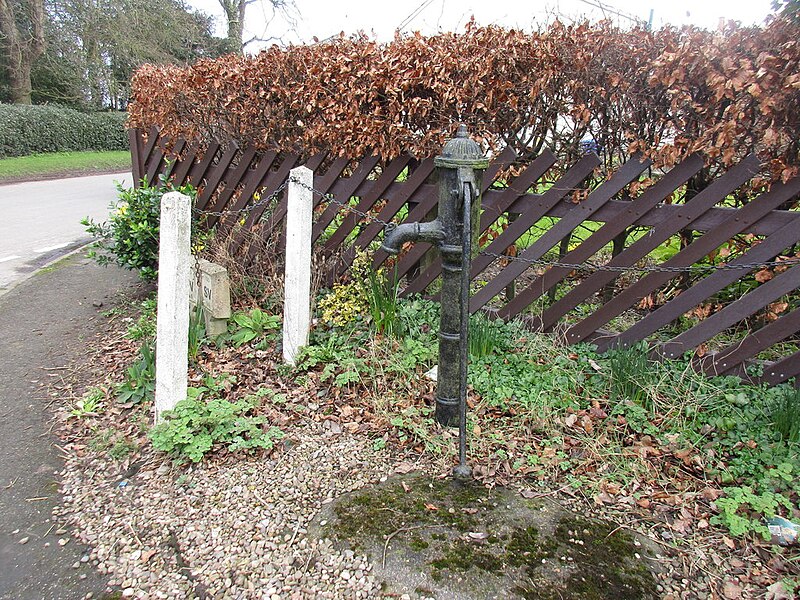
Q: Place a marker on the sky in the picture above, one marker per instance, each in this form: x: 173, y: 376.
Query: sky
x: 325, y: 18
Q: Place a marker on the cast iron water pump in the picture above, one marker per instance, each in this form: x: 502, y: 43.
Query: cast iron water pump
x: 460, y: 169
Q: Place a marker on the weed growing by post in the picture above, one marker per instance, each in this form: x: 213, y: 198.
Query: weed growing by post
x: 195, y: 425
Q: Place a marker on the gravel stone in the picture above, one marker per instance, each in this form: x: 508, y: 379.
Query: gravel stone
x: 227, y: 528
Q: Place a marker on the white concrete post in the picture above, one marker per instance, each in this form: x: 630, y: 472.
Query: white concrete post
x: 172, y: 322
x: 297, y: 278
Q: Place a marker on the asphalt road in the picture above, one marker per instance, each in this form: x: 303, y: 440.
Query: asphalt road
x: 46, y: 322
x: 40, y: 220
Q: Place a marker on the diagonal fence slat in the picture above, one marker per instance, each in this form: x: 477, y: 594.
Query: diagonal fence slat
x: 155, y: 161
x: 565, y: 226
x: 733, y: 356
x: 270, y: 184
x: 215, y: 176
x: 395, y: 201
x: 538, y: 210
x: 427, y: 203
x: 368, y: 199
x: 634, y: 210
x: 183, y: 163
x: 343, y: 195
x: 231, y: 181
x: 706, y: 287
x: 695, y: 207
x: 781, y: 370
x: 732, y: 314
x: 137, y: 156
x: 199, y: 167
x: 147, y: 148
x: 324, y: 183
x: 693, y: 253
x: 518, y: 187
x: 495, y: 211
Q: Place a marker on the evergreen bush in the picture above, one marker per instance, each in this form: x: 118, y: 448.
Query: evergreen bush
x: 26, y: 129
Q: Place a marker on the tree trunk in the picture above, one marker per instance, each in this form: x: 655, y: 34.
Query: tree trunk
x: 23, y: 45
x: 234, y: 15
x: 19, y: 82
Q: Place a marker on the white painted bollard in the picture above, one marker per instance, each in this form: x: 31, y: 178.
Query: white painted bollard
x: 297, y: 278
x: 172, y: 322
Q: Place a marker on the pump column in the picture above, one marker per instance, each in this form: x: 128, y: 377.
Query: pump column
x: 460, y: 164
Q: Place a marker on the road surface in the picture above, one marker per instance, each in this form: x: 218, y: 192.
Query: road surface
x: 40, y: 220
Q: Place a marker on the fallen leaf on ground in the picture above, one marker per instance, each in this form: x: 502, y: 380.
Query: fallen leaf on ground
x: 776, y: 591
x: 731, y: 590
x: 728, y: 542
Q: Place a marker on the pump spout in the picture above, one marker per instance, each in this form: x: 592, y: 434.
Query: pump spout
x: 396, y: 235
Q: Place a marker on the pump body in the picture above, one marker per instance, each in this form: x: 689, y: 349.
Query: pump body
x: 460, y: 168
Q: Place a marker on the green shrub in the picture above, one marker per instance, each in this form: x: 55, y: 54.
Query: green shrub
x: 631, y: 375
x: 144, y: 328
x: 348, y: 302
x: 195, y: 425
x: 34, y: 129
x: 130, y: 237
x: 486, y: 336
x: 382, y: 297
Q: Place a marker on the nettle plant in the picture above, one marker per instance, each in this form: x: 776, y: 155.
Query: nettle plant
x: 130, y: 237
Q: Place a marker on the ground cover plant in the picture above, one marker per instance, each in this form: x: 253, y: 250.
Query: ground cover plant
x: 699, y: 464
x: 698, y: 455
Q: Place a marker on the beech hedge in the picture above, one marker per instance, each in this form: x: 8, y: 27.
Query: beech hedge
x: 666, y: 93
x: 26, y: 129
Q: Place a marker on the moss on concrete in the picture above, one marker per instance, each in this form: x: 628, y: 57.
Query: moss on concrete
x: 466, y: 541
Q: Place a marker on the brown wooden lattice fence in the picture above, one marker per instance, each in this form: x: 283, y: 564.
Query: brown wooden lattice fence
x: 586, y: 290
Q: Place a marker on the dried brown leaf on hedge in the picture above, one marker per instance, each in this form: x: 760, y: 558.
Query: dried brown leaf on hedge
x: 666, y: 93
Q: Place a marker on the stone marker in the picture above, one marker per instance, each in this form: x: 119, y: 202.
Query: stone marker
x: 213, y: 293
x: 194, y: 289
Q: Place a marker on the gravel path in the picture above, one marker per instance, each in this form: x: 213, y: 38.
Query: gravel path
x: 226, y: 529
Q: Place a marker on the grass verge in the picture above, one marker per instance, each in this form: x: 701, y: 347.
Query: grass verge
x: 37, y: 166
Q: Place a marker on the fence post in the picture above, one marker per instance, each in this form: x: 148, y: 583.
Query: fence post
x: 297, y: 277
x: 172, y: 323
